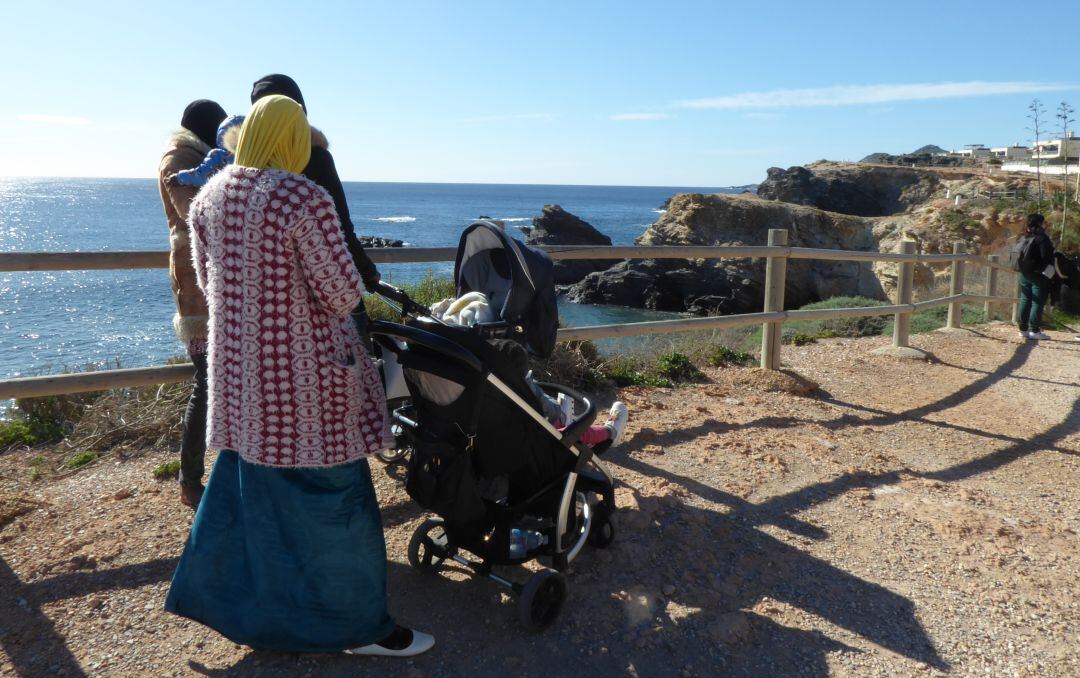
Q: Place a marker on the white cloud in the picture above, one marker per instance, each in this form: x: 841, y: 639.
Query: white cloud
x: 854, y: 95
x: 512, y: 116
x: 640, y: 116
x: 53, y: 119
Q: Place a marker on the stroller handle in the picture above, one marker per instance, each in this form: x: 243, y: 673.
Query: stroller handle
x: 379, y: 329
x: 398, y: 295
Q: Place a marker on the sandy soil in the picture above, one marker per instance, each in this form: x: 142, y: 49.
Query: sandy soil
x: 905, y: 518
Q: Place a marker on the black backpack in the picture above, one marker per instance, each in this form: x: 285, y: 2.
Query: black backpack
x: 1019, y: 252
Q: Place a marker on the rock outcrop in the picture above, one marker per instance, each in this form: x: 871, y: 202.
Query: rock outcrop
x: 369, y: 241
x: 846, y: 206
x: 734, y: 285
x: 850, y: 189
x: 556, y: 226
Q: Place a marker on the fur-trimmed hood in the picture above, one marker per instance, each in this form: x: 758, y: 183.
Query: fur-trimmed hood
x: 183, y: 138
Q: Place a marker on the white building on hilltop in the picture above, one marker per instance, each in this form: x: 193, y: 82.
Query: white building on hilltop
x: 1055, y: 151
x: 1048, y: 157
x: 1014, y: 152
x: 972, y: 152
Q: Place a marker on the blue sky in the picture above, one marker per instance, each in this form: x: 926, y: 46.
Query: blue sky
x: 587, y: 92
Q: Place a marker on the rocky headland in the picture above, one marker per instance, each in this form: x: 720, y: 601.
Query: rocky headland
x: 732, y: 285
x: 850, y: 206
x: 556, y: 226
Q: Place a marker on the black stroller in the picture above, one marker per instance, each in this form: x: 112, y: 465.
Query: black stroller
x: 506, y: 485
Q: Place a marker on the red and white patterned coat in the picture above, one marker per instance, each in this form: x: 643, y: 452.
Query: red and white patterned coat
x: 290, y: 384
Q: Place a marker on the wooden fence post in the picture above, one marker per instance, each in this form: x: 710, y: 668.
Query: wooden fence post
x: 904, y: 281
x: 1016, y: 304
x: 991, y: 287
x: 775, y: 279
x: 956, y: 286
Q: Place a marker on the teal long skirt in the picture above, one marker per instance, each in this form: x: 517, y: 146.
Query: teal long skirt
x: 286, y: 559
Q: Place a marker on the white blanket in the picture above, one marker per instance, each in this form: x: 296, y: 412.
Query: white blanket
x: 467, y: 310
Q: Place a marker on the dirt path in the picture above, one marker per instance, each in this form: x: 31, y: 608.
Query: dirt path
x: 905, y: 518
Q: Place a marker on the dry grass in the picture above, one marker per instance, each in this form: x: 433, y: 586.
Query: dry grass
x: 132, y: 419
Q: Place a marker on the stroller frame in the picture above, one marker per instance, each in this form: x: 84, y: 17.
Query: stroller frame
x: 540, y: 598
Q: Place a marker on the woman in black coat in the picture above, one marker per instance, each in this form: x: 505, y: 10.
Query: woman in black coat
x: 322, y: 171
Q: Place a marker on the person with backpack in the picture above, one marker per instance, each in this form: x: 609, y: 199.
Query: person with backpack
x: 1032, y: 255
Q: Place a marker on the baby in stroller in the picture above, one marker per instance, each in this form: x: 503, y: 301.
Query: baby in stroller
x: 473, y: 308
x: 507, y: 484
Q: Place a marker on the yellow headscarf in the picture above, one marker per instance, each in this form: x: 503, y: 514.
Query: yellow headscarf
x: 275, y: 135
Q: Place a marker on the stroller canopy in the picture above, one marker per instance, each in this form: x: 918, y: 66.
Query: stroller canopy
x: 517, y: 280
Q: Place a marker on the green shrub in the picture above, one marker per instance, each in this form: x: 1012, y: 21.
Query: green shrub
x: 168, y: 470
x: 36, y: 464
x: 626, y: 371
x: 958, y: 221
x: 15, y: 433
x: 80, y: 459
x: 842, y: 327
x: 798, y: 339
x: 719, y: 355
x: 1056, y: 318
x: 425, y: 292
x: 51, y: 418
x: 935, y: 318
x: 677, y: 367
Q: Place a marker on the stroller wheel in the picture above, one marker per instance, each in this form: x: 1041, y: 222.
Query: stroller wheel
x: 542, y: 600
x: 427, y: 548
x: 602, y: 534
x: 393, y: 455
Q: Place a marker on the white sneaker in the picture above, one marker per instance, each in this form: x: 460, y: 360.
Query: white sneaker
x: 416, y: 643
x: 1024, y: 334
x: 1038, y: 335
x: 616, y: 421
x: 566, y: 408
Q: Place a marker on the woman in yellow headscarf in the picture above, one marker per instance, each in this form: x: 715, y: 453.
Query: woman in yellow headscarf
x: 286, y: 551
x: 275, y: 135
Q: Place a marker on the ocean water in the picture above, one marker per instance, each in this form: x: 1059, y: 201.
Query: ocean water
x: 65, y: 320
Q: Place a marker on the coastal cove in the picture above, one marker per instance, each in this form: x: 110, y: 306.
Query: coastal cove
x: 68, y: 320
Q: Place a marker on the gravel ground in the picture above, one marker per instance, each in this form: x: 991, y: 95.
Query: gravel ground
x: 905, y: 518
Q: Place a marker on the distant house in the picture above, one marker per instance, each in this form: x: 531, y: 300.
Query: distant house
x: 1015, y: 152
x: 1054, y: 151
x: 972, y: 152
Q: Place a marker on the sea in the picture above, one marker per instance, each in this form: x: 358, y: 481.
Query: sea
x: 73, y: 320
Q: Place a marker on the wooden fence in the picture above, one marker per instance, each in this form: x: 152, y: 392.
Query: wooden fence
x: 777, y: 253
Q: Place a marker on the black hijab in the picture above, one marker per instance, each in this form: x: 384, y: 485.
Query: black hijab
x: 276, y: 83
x: 201, y: 118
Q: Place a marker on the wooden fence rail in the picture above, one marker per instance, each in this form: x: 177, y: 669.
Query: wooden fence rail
x: 771, y: 319
x: 11, y: 262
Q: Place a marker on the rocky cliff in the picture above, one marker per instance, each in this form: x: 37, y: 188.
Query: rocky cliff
x: 556, y: 226
x: 828, y: 205
x: 734, y: 285
x: 862, y: 191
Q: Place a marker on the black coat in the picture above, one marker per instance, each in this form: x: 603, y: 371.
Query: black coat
x: 322, y: 171
x: 1039, y: 255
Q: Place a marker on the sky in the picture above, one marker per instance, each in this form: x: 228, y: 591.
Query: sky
x: 584, y: 92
